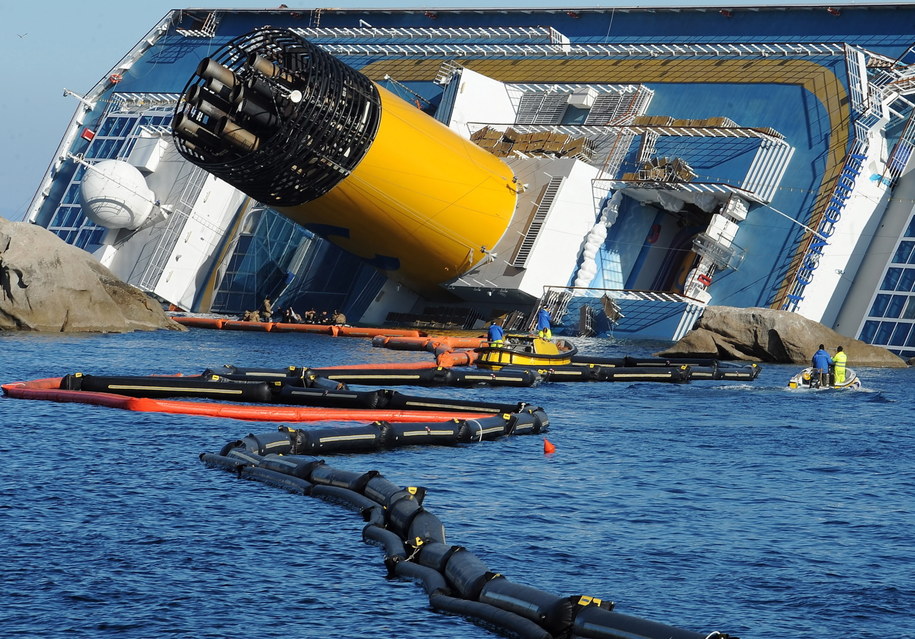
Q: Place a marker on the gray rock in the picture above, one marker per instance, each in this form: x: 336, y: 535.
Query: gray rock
x: 768, y: 335
x: 48, y: 285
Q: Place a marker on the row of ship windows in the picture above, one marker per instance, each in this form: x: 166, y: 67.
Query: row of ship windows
x: 902, y: 279
x: 67, y: 217
x: 118, y: 125
x: 898, y: 334
x: 88, y: 238
x: 901, y: 306
x: 898, y: 279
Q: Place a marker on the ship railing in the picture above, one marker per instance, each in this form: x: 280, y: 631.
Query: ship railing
x: 207, y: 30
x: 430, y: 34
x: 367, y: 42
x: 555, y: 292
x: 557, y: 300
x: 722, y: 256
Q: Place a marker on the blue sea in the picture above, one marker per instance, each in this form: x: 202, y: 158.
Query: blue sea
x: 746, y: 508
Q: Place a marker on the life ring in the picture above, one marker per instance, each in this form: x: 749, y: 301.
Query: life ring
x: 114, y: 78
x: 704, y: 279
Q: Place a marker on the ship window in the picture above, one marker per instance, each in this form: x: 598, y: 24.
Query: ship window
x: 909, y: 312
x: 107, y: 125
x: 906, y: 280
x: 72, y: 218
x: 891, y: 279
x: 574, y: 115
x: 81, y: 237
x: 903, y: 251
x: 880, y: 304
x: 868, y: 332
x: 911, y: 341
x: 64, y: 218
x: 122, y: 126
x: 910, y: 232
x: 91, y: 238
x: 884, y: 332
x: 101, y: 149
x: 899, y: 335
x: 72, y: 194
x: 58, y: 214
x: 895, y: 307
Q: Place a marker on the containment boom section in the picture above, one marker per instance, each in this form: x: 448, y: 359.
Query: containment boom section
x: 300, y: 131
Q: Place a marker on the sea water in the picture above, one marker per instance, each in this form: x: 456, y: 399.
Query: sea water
x: 744, y: 507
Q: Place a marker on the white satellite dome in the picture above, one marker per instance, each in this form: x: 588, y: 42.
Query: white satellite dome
x: 114, y: 194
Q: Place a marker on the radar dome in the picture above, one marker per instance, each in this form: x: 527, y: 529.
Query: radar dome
x: 114, y: 194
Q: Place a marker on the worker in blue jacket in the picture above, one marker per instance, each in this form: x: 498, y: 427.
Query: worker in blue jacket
x: 496, y: 334
x: 543, y: 323
x: 821, y: 362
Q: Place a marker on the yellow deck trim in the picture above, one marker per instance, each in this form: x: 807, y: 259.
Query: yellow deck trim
x: 815, y: 78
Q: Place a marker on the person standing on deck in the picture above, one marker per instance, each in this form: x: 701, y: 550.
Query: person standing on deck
x: 821, y: 362
x: 543, y: 323
x: 495, y: 335
x: 838, y: 363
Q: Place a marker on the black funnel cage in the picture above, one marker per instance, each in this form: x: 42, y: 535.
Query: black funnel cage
x: 281, y: 119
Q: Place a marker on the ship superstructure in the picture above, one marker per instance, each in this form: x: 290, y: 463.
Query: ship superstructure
x: 626, y: 167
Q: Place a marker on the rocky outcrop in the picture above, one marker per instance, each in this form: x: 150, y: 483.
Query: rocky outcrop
x: 48, y: 285
x: 768, y: 335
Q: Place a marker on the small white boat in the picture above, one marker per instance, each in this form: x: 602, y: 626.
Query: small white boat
x: 810, y: 378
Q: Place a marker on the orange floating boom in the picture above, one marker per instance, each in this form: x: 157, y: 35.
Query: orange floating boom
x: 48, y: 389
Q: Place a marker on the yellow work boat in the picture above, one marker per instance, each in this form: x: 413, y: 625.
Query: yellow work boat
x: 526, y: 350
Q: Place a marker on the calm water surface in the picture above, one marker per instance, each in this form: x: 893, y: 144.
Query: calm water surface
x: 741, y: 507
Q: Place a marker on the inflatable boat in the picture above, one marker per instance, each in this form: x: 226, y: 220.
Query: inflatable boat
x: 525, y: 350
x: 810, y: 379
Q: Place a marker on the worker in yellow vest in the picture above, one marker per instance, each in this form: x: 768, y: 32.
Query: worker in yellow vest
x: 838, y: 366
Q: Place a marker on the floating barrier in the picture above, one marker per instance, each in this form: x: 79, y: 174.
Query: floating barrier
x: 200, y: 322
x: 437, y: 376
x: 382, y: 366
x: 414, y: 541
x: 392, y: 374
x: 596, y: 373
x: 634, y: 362
x: 702, y: 368
x: 457, y: 358
x: 437, y: 345
x: 521, y: 376
x: 734, y: 373
x: 298, y: 387
x: 287, y: 327
x: 397, y: 407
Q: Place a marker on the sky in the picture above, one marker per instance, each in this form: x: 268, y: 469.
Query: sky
x: 51, y: 45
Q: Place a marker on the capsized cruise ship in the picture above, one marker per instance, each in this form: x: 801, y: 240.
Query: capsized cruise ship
x: 623, y: 167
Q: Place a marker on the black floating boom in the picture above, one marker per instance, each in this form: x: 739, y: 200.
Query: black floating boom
x: 456, y: 580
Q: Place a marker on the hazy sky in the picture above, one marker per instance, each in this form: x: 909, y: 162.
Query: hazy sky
x: 49, y: 45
